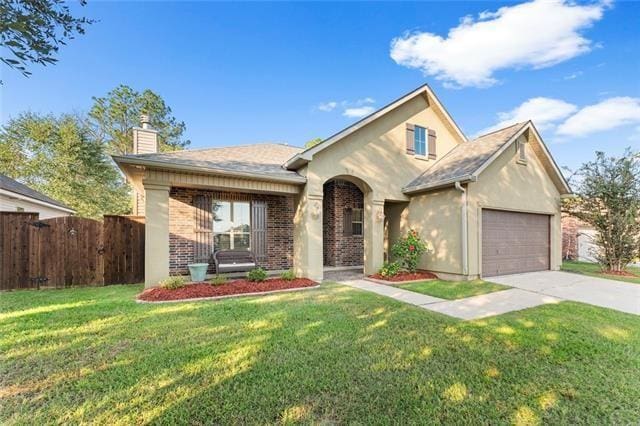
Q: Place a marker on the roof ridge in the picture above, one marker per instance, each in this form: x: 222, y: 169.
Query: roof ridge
x: 216, y: 148
x: 521, y: 123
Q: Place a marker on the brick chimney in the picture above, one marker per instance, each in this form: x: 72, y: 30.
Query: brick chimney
x: 145, y: 138
x: 145, y: 141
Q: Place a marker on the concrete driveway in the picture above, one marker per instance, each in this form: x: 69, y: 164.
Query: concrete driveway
x: 612, y: 294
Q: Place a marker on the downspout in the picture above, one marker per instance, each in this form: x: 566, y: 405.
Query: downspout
x: 465, y: 232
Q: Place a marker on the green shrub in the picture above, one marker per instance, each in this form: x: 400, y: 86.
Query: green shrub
x: 218, y: 280
x: 257, y: 275
x: 288, y: 275
x: 173, y: 283
x: 389, y: 269
x: 409, y: 249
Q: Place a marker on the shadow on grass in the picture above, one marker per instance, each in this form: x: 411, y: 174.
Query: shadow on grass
x: 329, y: 355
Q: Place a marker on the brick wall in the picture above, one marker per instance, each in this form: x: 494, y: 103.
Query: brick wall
x: 339, y: 249
x: 569, y: 237
x: 280, y: 211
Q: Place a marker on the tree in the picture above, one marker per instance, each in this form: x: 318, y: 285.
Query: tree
x: 607, y: 197
x: 59, y: 157
x: 33, y: 31
x: 115, y: 115
x: 313, y: 142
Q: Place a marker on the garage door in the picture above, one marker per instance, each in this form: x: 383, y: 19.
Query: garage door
x: 514, y: 242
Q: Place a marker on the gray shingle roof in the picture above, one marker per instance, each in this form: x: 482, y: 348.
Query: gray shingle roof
x: 16, y: 187
x: 465, y: 159
x: 261, y: 159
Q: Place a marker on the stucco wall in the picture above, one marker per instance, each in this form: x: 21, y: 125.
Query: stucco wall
x: 374, y: 157
x: 508, y: 185
x: 437, y: 217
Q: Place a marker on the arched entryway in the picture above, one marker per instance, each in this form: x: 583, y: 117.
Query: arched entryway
x: 342, y: 224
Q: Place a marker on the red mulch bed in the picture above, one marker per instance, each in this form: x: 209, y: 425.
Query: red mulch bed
x: 195, y: 290
x: 621, y: 274
x: 406, y: 276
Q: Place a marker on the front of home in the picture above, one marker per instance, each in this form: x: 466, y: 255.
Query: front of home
x: 490, y: 206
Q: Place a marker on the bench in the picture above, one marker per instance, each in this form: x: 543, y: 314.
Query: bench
x: 234, y: 261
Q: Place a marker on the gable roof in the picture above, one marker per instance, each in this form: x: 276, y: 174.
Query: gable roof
x: 305, y: 156
x: 262, y: 160
x: 465, y: 162
x: 15, y: 187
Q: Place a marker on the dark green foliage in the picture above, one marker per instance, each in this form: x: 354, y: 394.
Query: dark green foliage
x: 288, y: 275
x: 59, y: 157
x: 116, y: 114
x: 608, y: 198
x: 31, y: 32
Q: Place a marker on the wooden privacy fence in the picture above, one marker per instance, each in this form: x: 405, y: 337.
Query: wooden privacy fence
x: 66, y: 251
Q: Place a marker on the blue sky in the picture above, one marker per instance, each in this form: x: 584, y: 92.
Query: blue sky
x: 289, y: 72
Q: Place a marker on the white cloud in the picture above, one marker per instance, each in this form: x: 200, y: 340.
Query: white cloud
x: 544, y: 112
x: 536, y: 34
x: 573, y: 76
x: 327, y: 106
x: 358, y: 112
x: 605, y: 115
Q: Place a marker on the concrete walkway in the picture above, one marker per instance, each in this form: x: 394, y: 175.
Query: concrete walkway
x: 475, y: 307
x: 618, y: 295
x: 529, y: 290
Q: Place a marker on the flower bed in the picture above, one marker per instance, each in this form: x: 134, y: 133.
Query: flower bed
x: 236, y: 287
x: 406, y: 276
x: 621, y: 274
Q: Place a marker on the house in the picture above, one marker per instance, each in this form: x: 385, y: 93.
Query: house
x: 578, y: 240
x: 17, y: 197
x: 488, y: 206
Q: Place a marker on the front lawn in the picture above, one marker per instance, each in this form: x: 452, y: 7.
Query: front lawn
x: 594, y: 270
x: 328, y: 355
x: 453, y: 289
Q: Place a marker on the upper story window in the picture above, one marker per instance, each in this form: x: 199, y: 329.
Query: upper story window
x: 231, y: 225
x: 420, y: 140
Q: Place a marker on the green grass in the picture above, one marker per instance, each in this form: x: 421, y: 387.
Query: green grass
x: 594, y: 270
x: 453, y: 289
x: 333, y: 355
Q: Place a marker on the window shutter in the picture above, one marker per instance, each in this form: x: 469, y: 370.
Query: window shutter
x: 411, y: 148
x: 432, y: 143
x: 347, y: 220
x: 203, y: 246
x: 259, y: 230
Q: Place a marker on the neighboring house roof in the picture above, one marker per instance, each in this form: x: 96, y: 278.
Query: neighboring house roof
x: 259, y: 160
x: 10, y: 185
x: 304, y: 157
x: 465, y: 162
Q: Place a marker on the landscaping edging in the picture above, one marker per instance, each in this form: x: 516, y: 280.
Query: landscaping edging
x: 228, y: 296
x: 394, y: 283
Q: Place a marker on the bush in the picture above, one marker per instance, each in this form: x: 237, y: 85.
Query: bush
x: 218, y: 280
x: 288, y: 275
x: 409, y: 249
x: 389, y: 269
x: 173, y: 283
x: 257, y: 275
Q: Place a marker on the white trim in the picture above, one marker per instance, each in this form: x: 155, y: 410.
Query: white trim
x: 34, y: 201
x: 300, y: 159
x: 440, y: 184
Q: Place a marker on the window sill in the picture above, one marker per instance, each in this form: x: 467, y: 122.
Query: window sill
x: 421, y: 157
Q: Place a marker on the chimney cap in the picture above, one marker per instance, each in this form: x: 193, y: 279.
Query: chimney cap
x: 145, y: 120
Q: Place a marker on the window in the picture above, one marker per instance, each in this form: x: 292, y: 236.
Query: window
x: 356, y: 222
x: 19, y: 209
x: 420, y: 140
x: 231, y: 225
